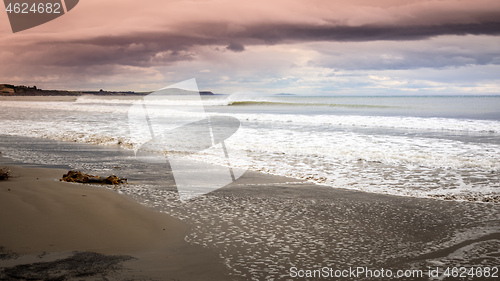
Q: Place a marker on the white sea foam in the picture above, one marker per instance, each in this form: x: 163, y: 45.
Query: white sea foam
x: 300, y: 146
x: 394, y: 165
x: 93, y: 104
x: 397, y: 122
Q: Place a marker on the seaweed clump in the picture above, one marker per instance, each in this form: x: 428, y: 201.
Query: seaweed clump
x: 79, y: 177
x: 4, y: 174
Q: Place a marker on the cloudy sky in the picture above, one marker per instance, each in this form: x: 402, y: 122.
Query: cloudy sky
x: 346, y: 47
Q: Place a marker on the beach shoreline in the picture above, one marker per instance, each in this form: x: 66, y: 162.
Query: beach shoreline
x: 257, y: 227
x: 43, y: 219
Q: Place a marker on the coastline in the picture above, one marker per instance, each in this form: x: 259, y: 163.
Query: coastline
x: 256, y: 228
x: 260, y: 218
x: 39, y: 98
x: 43, y: 219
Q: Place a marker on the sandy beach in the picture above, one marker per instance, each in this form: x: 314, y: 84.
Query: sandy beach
x: 261, y: 227
x: 43, y: 220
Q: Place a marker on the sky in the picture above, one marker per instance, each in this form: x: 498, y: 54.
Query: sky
x: 316, y: 47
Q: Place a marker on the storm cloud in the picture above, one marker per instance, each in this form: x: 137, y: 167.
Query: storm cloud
x: 100, y: 41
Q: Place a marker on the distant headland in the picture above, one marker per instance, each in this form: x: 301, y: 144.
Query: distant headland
x: 12, y: 90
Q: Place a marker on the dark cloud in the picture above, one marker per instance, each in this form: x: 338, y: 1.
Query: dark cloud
x: 143, y: 49
x: 235, y: 47
x: 279, y: 33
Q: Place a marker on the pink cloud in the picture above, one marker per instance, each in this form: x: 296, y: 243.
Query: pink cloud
x: 127, y: 35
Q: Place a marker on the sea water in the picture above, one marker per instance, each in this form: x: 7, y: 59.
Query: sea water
x: 422, y: 146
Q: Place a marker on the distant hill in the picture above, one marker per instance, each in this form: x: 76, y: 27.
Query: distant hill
x: 11, y: 90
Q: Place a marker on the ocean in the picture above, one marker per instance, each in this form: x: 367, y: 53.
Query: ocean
x: 421, y: 146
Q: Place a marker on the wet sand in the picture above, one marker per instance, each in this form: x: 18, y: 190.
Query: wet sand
x: 264, y: 225
x: 43, y: 220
